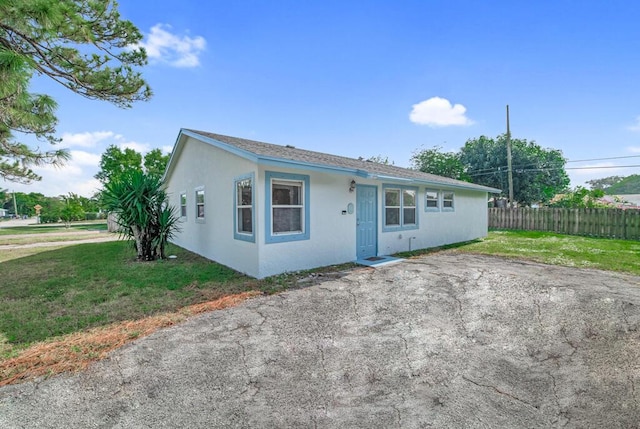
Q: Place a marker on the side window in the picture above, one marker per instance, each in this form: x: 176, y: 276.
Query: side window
x: 200, y: 204
x: 244, y: 210
x: 183, y: 204
x: 432, y: 202
x: 447, y: 201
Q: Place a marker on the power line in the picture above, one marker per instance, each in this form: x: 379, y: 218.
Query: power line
x: 528, y: 170
x: 491, y: 170
x: 605, y: 159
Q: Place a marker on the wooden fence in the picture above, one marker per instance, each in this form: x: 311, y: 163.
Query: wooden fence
x: 606, y: 223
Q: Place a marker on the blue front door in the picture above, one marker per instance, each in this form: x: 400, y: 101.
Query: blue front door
x: 366, y: 221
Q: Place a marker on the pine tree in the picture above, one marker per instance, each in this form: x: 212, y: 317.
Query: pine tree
x: 84, y: 46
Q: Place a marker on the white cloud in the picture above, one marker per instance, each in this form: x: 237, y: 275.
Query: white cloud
x: 177, y: 51
x: 167, y: 149
x: 438, y: 112
x: 79, y: 157
x: 636, y: 126
x: 138, y: 147
x: 76, y: 175
x: 88, y: 139
x: 633, y: 149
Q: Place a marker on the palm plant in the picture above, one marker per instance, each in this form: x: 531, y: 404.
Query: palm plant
x: 140, y: 204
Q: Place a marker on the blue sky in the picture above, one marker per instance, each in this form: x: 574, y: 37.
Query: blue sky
x: 365, y: 78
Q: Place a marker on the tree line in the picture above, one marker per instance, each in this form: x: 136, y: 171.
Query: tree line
x: 538, y: 174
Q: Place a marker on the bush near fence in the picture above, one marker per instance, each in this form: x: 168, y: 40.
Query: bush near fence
x: 601, y: 222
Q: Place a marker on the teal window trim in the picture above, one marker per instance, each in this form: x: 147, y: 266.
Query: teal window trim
x: 427, y: 200
x: 237, y: 234
x: 402, y: 226
x: 183, y: 205
x: 270, y: 236
x: 447, y: 207
x: 200, y: 214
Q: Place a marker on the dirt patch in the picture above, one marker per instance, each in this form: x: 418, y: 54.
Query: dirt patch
x: 74, y: 352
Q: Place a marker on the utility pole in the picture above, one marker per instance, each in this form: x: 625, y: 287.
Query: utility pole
x: 509, y: 170
x: 15, y: 206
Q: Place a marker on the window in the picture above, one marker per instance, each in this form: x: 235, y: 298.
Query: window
x: 432, y: 201
x: 243, y: 222
x: 183, y: 204
x: 408, y: 207
x: 287, y: 207
x: 392, y: 207
x: 400, y: 208
x: 200, y: 204
x: 447, y: 201
x: 438, y: 200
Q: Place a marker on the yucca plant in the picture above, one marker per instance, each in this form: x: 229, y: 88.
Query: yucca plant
x: 140, y: 204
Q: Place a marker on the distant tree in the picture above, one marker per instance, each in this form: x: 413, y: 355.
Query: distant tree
x: 25, y: 203
x: 72, y: 209
x: 51, y: 211
x: 155, y: 162
x: 380, y: 159
x: 115, y: 161
x: 82, y: 45
x: 628, y: 185
x: 435, y: 161
x: 140, y: 203
x: 605, y: 182
x: 4, y: 198
x: 538, y: 174
x: 579, y: 198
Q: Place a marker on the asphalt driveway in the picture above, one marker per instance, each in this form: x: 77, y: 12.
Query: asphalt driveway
x: 442, y: 341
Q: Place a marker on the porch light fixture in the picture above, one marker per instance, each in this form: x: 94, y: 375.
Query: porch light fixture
x: 352, y: 186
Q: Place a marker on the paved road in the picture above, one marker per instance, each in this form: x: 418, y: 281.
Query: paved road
x: 443, y: 341
x: 18, y: 222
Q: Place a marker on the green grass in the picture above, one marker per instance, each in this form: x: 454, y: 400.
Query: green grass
x: 558, y: 249
x: 61, y: 291
x: 48, y: 293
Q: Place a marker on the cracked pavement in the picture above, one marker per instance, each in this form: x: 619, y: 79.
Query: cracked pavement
x: 445, y: 340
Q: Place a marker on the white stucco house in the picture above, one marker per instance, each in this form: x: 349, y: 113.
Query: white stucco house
x: 265, y: 209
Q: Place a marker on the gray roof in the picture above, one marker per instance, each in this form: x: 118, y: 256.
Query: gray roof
x: 318, y: 159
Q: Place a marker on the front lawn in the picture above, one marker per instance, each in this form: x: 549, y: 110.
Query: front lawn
x: 65, y: 290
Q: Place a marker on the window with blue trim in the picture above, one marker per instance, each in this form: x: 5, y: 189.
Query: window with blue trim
x: 199, y: 204
x: 244, y: 209
x: 287, y: 207
x: 400, y: 208
x: 432, y: 200
x: 447, y: 201
x: 183, y: 205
